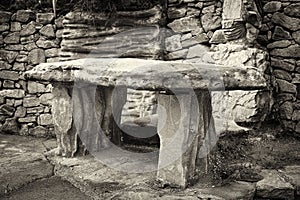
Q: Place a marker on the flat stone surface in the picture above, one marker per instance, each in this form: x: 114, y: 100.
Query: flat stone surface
x: 150, y: 74
x: 22, y: 162
x: 274, y: 186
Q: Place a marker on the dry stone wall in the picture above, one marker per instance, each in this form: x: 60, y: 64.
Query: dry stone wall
x: 27, y: 39
x: 280, y: 34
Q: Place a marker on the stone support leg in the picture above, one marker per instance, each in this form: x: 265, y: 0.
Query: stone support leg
x: 183, y: 125
x: 62, y: 112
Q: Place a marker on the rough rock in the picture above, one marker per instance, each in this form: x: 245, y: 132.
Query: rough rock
x: 31, y: 102
x: 218, y: 37
x: 44, y: 18
x: 4, y: 16
x: 30, y: 46
x: 24, y: 16
x: 14, y: 47
x: 296, y: 36
x: 281, y: 34
x: 10, y: 126
x: 35, y: 87
x: 281, y: 74
x: 4, y: 27
x: 283, y: 64
x: 286, y: 21
x: 12, y: 38
x: 46, y: 44
x: 285, y: 86
x: 173, y: 43
x: 181, y: 54
x: 293, y: 10
x: 15, y: 26
x: 9, y: 75
x: 279, y: 44
x: 7, y: 110
x: 46, y: 99
x: 185, y: 24
x: 286, y: 110
x: 28, y: 29
x: 8, y: 84
x: 4, y: 65
x: 8, y: 56
x: 272, y: 6
x: 293, y: 174
x: 211, y: 22
x: 48, y: 31
x: 49, y: 53
x: 45, y: 119
x: 28, y: 119
x: 296, y: 115
x: 19, y: 66
x: 20, y: 112
x: 197, y: 51
x: 174, y: 13
x: 289, y: 52
x: 36, y: 56
x: 274, y: 186
x: 38, y: 131
x: 12, y: 93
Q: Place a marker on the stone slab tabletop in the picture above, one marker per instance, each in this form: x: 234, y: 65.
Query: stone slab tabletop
x: 150, y: 74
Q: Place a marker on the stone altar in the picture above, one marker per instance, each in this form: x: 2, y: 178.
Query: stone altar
x: 184, y: 99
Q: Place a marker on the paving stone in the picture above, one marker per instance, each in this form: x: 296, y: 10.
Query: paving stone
x: 274, y: 186
x: 22, y: 162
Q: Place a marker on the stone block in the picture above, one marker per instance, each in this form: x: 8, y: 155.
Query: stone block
x: 48, y: 31
x: 175, y: 13
x: 12, y: 38
x: 289, y: 52
x: 173, y: 43
x: 4, y: 27
x: 44, y: 18
x: 15, y: 26
x: 27, y: 119
x: 28, y: 29
x: 281, y: 74
x: 10, y: 126
x: 20, y: 112
x: 287, y: 65
x: 36, y: 56
x: 38, y: 131
x: 232, y: 9
x: 272, y: 6
x: 286, y: 110
x: 16, y: 93
x: 35, y: 110
x: 293, y: 10
x: 14, y: 47
x: 24, y: 16
x: 4, y: 65
x: 281, y: 34
x: 185, y: 24
x: 31, y: 102
x: 47, y: 44
x: 30, y: 46
x: 197, y: 51
x: 285, y: 86
x: 181, y: 54
x: 6, y: 110
x: 286, y: 21
x: 296, y: 36
x: 210, y: 22
x: 279, y: 44
x: 4, y: 16
x: 46, y: 99
x: 8, y: 84
x: 35, y: 87
x: 49, y: 53
x: 19, y: 66
x: 45, y: 119
x: 9, y: 75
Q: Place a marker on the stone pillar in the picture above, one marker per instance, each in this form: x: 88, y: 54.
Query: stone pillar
x: 90, y: 111
x: 62, y: 112
x: 184, y: 125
